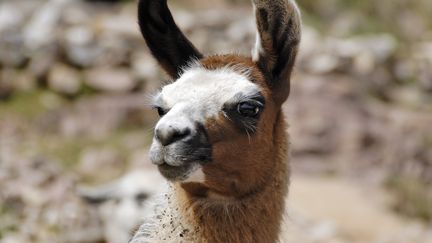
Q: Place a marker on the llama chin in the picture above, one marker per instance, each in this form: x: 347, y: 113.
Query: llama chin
x: 221, y: 138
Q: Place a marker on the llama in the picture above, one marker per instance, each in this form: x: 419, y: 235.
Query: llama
x: 221, y: 140
x: 121, y: 204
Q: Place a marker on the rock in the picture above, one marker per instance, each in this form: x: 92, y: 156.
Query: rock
x: 25, y: 81
x: 110, y: 80
x: 97, y: 116
x: 140, y: 158
x: 383, y: 46
x: 6, y: 83
x: 93, y: 159
x: 79, y: 35
x: 42, y: 27
x: 12, y: 51
x: 77, y: 14
x: 10, y: 16
x: 405, y: 69
x: 83, y: 56
x: 323, y: 231
x: 364, y: 63
x: 119, y: 25
x: 407, y: 95
x: 424, y: 65
x: 51, y: 101
x: 64, y: 80
x: 185, y: 20
x: 14, y: 238
x: 241, y: 30
x: 425, y: 76
x: 114, y: 51
x: 145, y: 68
x: 5, y: 92
x: 42, y: 61
x: 322, y: 64
x: 359, y: 55
x: 309, y: 44
x: 80, y: 46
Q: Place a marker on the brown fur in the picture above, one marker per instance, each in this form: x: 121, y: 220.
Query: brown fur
x: 242, y: 199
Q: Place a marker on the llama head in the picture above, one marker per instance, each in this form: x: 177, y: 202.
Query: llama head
x: 220, y: 118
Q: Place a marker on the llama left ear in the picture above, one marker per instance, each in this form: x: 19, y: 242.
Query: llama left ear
x: 163, y: 37
x: 277, y: 43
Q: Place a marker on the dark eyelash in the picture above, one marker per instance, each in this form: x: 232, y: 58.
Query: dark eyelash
x: 160, y: 110
x: 255, y: 98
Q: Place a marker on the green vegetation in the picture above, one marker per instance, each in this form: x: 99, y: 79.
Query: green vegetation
x: 413, y: 198
x: 68, y: 150
x: 30, y: 104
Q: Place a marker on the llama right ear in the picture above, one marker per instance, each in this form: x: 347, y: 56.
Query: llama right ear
x: 277, y: 42
x: 163, y: 37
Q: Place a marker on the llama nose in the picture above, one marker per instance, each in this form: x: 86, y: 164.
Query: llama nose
x: 170, y: 134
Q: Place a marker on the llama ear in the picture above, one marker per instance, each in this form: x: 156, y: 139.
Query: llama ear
x: 163, y: 37
x: 277, y: 42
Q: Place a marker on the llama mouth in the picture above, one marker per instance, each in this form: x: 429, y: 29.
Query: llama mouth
x: 175, y: 173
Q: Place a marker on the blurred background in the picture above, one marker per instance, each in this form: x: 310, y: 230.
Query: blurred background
x: 74, y: 125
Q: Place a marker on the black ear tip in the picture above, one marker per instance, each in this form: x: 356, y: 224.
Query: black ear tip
x: 146, y: 6
x: 163, y: 37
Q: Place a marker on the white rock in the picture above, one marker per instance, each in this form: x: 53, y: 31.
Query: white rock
x: 10, y: 16
x: 240, y: 30
x: 310, y: 43
x: 12, y: 51
x: 110, y: 80
x: 79, y: 35
x: 64, y: 80
x: 42, y: 26
x: 93, y: 159
x: 145, y: 67
x: 25, y: 81
x: 121, y: 25
x: 322, y: 64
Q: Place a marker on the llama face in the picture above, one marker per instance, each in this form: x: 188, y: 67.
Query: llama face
x: 221, y: 119
x: 181, y: 145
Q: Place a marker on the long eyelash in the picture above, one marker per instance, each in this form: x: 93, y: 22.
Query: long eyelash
x: 149, y: 99
x: 226, y: 116
x: 247, y: 130
x: 256, y: 98
x: 249, y: 137
x: 249, y: 126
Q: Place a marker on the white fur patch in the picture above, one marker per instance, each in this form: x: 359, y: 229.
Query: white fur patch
x: 200, y: 94
x: 258, y: 49
x: 197, y: 176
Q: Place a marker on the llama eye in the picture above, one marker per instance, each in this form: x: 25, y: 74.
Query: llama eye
x: 248, y: 109
x: 160, y: 111
x: 141, y: 197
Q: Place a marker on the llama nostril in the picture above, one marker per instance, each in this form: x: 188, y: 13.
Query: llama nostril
x: 170, y: 135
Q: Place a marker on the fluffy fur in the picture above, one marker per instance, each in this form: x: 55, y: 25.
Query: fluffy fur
x: 228, y: 172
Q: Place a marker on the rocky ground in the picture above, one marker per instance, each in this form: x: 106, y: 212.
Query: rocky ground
x: 75, y: 77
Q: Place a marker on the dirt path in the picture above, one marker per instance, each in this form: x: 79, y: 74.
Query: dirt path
x: 338, y: 210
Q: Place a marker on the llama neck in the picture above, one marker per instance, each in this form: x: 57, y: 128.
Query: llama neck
x: 255, y: 218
